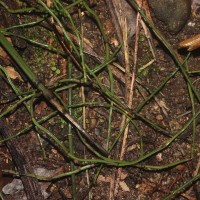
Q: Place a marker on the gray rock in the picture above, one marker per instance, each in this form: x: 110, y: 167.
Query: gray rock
x: 16, y: 186
x: 174, y: 13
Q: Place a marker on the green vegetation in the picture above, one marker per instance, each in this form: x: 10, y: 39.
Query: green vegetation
x: 75, y: 82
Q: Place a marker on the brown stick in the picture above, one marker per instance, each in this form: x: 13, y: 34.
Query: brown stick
x: 119, y: 9
x: 22, y: 162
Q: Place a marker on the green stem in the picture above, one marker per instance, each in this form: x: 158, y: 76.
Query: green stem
x: 70, y: 138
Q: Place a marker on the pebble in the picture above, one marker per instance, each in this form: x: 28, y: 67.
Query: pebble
x: 173, y: 13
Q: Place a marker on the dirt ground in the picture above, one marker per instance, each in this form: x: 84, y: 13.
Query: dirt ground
x: 162, y: 151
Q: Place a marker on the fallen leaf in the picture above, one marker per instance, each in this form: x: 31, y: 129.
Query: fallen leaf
x: 4, y: 57
x: 12, y: 73
x: 49, y: 3
x: 40, y: 107
x: 3, y: 53
x: 181, y: 167
x: 124, y: 186
x: 104, y: 179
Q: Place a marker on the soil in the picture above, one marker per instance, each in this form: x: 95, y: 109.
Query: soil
x: 174, y: 104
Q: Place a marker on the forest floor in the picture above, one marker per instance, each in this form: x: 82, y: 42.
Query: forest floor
x: 153, y: 148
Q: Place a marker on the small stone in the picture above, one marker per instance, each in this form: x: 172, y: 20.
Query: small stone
x: 174, y: 13
x: 159, y: 157
x: 159, y: 117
